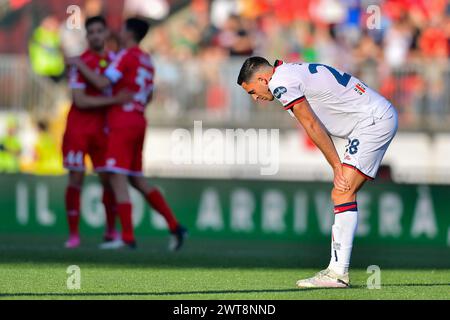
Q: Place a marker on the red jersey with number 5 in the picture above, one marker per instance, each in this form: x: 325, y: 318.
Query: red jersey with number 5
x: 82, y: 119
x: 133, y: 71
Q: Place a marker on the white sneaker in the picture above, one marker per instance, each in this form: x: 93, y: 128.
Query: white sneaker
x: 325, y: 279
x: 112, y: 245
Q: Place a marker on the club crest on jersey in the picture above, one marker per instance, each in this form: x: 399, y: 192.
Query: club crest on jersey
x: 279, y: 91
x: 360, y: 88
x: 103, y: 63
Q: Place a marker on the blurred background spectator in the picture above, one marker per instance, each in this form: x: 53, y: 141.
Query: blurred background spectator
x: 45, y: 51
x: 198, y: 47
x: 10, y: 148
x: 47, y: 153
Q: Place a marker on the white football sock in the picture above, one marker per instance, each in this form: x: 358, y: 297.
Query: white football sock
x: 343, y: 232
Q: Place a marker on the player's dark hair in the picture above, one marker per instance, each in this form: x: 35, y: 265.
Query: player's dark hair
x: 250, y: 66
x: 95, y: 19
x: 137, y: 27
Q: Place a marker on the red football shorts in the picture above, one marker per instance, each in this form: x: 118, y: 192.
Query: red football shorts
x: 77, y: 144
x: 124, y: 151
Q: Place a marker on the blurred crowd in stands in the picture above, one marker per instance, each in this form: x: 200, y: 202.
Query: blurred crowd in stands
x: 26, y: 147
x: 399, y: 47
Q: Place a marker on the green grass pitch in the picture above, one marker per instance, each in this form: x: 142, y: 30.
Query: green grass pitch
x: 35, y: 268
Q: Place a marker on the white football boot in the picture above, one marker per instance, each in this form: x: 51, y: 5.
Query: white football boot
x: 112, y: 245
x: 117, y: 244
x: 325, y: 279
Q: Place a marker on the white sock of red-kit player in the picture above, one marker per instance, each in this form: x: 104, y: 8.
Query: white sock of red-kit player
x: 342, y: 234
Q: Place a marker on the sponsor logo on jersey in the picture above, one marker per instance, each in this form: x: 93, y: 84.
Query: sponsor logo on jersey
x: 360, y: 88
x: 279, y: 91
x: 103, y: 63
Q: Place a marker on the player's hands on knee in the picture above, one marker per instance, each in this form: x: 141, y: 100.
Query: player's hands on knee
x: 340, y: 182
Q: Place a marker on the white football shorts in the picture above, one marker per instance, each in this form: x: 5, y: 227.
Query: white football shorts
x: 368, y: 143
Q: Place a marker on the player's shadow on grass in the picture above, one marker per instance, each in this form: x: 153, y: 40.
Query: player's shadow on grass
x: 199, y: 292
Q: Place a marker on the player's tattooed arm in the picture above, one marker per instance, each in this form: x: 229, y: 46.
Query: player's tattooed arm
x: 97, y: 80
x: 318, y: 134
x: 84, y: 101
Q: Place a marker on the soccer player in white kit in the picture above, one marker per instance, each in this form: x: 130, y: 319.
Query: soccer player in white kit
x: 328, y: 102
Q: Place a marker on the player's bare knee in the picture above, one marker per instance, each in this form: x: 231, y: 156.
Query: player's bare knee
x: 133, y: 182
x: 140, y: 184
x: 76, y: 179
x: 105, y: 180
x: 339, y: 197
x: 117, y: 181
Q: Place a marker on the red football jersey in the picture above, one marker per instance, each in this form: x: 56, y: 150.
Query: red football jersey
x: 83, y: 119
x: 132, y: 70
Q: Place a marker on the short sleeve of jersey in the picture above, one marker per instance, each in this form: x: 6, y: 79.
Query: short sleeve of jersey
x: 117, y: 68
x: 76, y: 80
x: 287, y: 87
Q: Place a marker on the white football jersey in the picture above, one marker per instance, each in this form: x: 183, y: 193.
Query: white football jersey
x: 339, y: 100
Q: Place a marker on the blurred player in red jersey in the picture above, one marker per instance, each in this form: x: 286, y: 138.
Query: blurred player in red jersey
x: 85, y: 131
x: 132, y: 71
